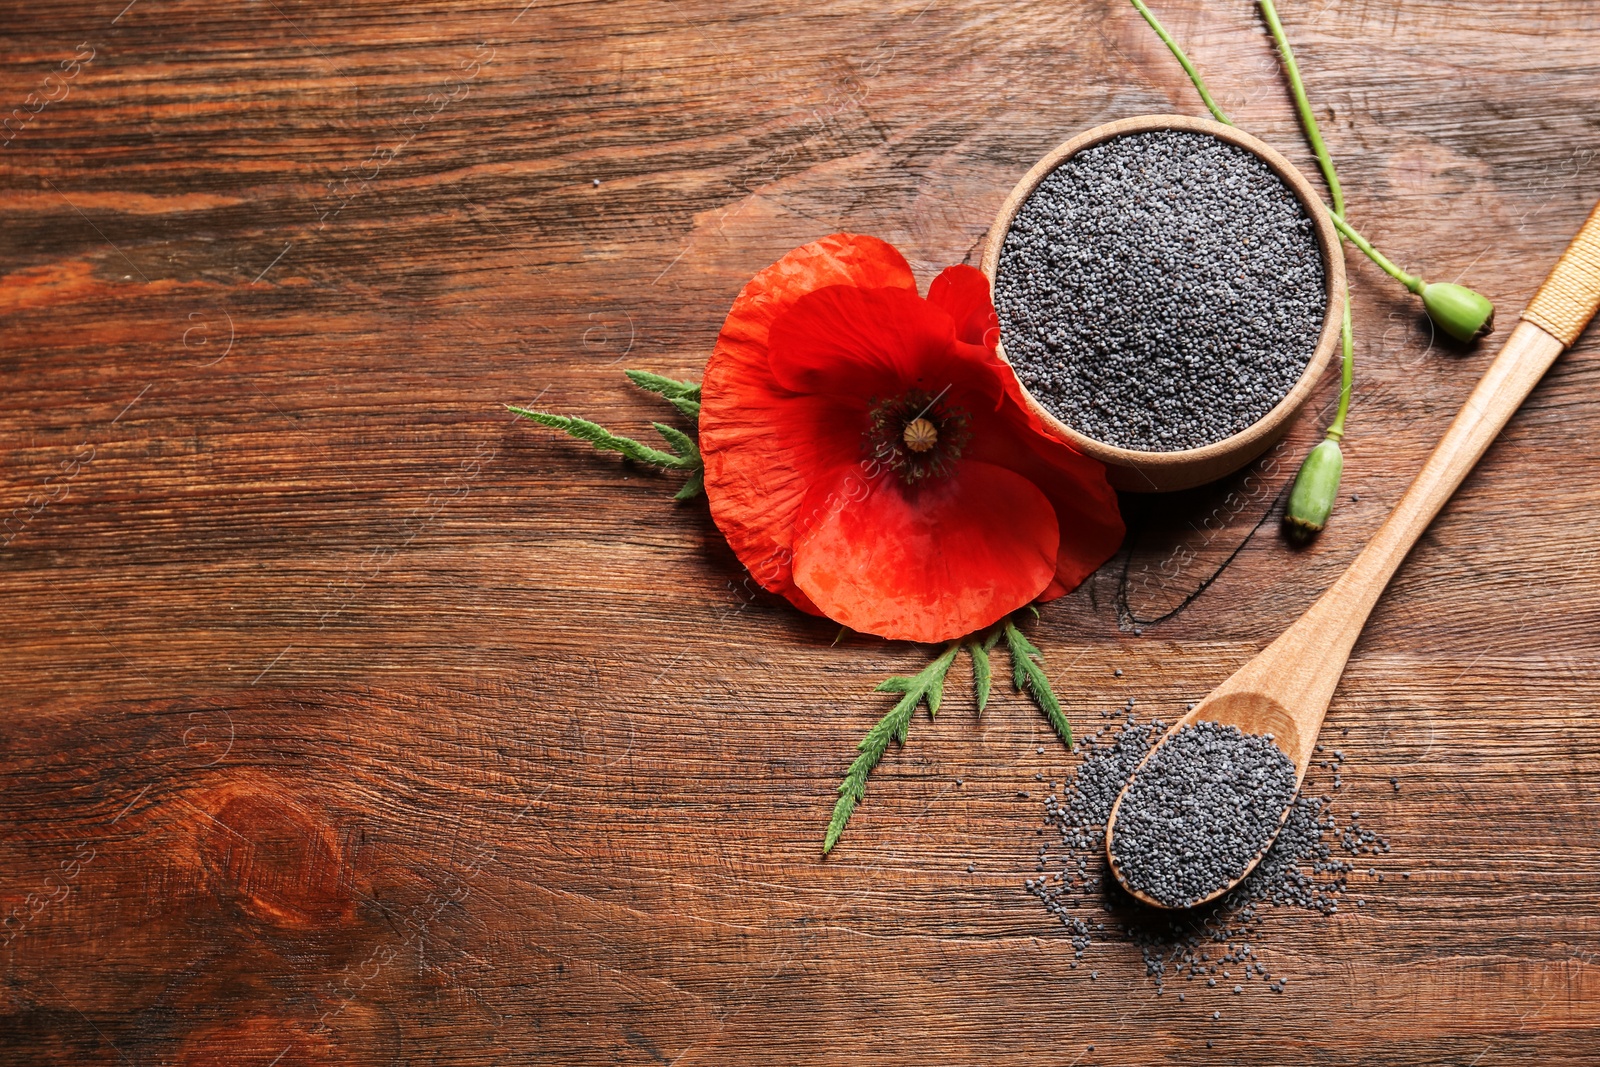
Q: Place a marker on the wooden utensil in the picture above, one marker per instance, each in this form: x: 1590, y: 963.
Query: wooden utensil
x: 1284, y: 691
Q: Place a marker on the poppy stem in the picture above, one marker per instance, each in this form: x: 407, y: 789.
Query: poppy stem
x: 1178, y: 54
x: 1308, y: 122
x: 1346, y: 375
x: 1411, y: 282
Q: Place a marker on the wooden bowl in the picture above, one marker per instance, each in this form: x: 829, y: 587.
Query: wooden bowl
x: 1150, y: 472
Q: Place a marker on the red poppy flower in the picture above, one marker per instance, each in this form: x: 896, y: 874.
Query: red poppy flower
x: 869, y: 457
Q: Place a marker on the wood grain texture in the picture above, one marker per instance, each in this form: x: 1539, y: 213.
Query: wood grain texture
x: 350, y: 722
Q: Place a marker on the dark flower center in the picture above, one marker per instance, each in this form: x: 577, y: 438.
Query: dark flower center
x: 918, y: 435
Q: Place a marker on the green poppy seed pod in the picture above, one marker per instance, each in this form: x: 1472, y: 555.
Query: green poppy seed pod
x: 1458, y: 311
x: 1315, y: 489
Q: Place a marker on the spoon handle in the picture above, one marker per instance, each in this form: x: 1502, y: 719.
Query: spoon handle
x: 1569, y: 298
x: 1556, y: 316
x: 1301, y: 669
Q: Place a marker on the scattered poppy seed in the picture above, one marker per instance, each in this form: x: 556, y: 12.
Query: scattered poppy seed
x: 1117, y: 673
x: 597, y: 183
x: 1299, y: 870
x: 1160, y: 290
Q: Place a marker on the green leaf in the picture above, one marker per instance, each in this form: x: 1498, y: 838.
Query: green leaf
x: 681, y: 443
x: 689, y: 407
x: 927, y: 687
x: 695, y: 486
x: 981, y: 672
x: 1027, y: 672
x: 667, y: 387
x: 604, y: 439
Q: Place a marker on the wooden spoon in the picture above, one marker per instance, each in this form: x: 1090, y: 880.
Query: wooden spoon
x: 1284, y: 691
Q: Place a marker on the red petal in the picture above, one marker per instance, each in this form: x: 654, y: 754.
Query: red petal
x: 762, y: 448
x: 875, y: 343
x: 1085, y: 505
x: 963, y: 293
x: 931, y: 563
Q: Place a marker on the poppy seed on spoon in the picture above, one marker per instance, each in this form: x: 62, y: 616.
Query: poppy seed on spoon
x: 1199, y: 811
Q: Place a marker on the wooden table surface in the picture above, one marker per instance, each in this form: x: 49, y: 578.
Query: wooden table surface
x: 350, y: 721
